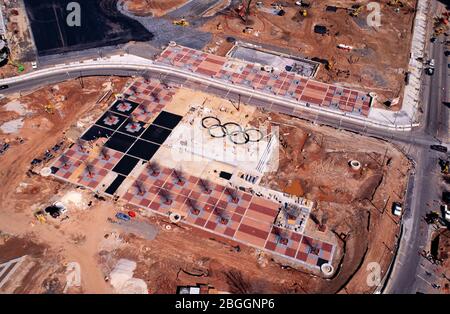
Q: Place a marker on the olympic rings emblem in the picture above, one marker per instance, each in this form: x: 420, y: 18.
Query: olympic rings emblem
x: 235, y: 133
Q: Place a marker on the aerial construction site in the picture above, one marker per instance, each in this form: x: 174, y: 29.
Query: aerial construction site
x: 204, y: 163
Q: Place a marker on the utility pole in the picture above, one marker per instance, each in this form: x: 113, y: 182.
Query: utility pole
x: 81, y: 80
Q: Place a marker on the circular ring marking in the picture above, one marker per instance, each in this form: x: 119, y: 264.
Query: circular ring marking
x: 255, y: 139
x: 215, y: 127
x: 207, y: 126
x: 230, y: 129
x: 233, y: 137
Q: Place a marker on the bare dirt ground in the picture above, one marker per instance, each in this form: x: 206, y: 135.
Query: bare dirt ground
x: 379, y: 58
x: 22, y: 193
x: 152, y: 7
x: 356, y: 205
x: 19, y: 40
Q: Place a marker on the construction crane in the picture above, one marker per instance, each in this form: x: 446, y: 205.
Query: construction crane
x: 181, y: 22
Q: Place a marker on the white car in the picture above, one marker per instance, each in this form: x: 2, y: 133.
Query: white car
x: 34, y: 65
x: 61, y: 207
x: 431, y: 62
x: 397, y: 209
x: 446, y: 212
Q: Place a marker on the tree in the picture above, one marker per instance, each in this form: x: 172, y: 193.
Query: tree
x: 193, y: 207
x: 166, y: 196
x: 281, y: 235
x: 313, y: 249
x: 232, y: 194
x: 222, y: 214
x: 178, y: 175
x: 146, y: 76
x: 205, y: 186
x: 90, y: 169
x: 140, y: 187
x: 134, y: 123
x: 154, y: 96
x: 143, y: 108
x: 104, y: 152
x: 81, y: 145
x: 133, y: 89
x: 154, y: 168
x: 64, y: 161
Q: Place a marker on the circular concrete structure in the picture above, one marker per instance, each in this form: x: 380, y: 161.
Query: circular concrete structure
x: 45, y: 172
x: 327, y: 269
x: 355, y: 165
x: 174, y: 217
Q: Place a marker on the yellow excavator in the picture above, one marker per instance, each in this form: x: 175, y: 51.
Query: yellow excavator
x: 49, y: 108
x: 40, y: 216
x: 181, y: 22
x: 355, y: 11
x: 395, y: 3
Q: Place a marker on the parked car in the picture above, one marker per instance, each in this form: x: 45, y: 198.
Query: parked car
x: 61, y: 207
x: 34, y: 65
x: 123, y: 216
x: 397, y: 209
x: 446, y: 212
x: 431, y: 63
x: 439, y: 148
x: 446, y: 197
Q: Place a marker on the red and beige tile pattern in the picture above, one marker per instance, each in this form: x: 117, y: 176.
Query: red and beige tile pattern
x: 234, y: 214
x: 151, y: 96
x: 72, y: 165
x: 281, y: 83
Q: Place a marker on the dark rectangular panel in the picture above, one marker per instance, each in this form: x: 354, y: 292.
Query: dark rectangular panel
x: 167, y: 119
x: 156, y: 134
x: 120, y: 142
x: 126, y: 165
x: 115, y: 184
x: 143, y: 149
x: 95, y: 132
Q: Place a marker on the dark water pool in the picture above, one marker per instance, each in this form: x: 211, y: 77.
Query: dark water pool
x: 101, y: 25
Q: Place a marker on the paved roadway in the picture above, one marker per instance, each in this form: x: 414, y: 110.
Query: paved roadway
x: 424, y: 188
x: 412, y: 273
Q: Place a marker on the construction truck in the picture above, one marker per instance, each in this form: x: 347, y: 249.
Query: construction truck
x: 180, y: 22
x: 329, y: 65
x: 304, y: 12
